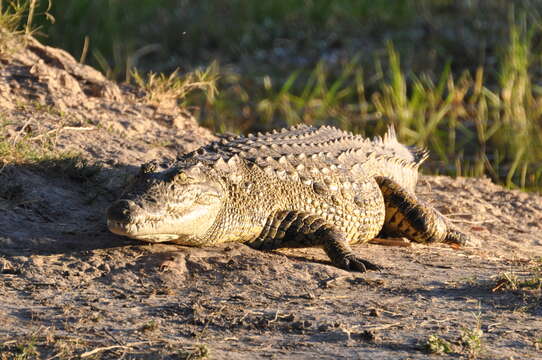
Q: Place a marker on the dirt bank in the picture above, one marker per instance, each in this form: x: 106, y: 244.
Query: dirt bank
x: 70, y: 288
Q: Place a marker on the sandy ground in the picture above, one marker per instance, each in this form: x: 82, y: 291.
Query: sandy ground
x: 70, y: 289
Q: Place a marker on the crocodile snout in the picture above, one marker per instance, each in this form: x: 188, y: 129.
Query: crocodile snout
x: 123, y: 211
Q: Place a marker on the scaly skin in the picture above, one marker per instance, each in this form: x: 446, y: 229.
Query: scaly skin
x: 299, y: 187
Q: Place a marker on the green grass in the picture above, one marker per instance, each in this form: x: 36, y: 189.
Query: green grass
x: 196, y: 352
x: 159, y: 34
x: 471, y: 128
x: 175, y: 88
x: 17, y: 147
x: 469, y: 343
x: 512, y: 281
x: 21, y: 149
x: 529, y: 280
x: 471, y: 339
x: 437, y: 345
x: 112, y: 28
x: 458, y: 77
x: 38, y: 153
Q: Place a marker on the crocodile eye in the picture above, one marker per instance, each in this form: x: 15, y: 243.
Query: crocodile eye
x: 181, y: 177
x: 147, y: 168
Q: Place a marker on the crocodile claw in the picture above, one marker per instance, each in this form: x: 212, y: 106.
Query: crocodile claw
x: 354, y: 263
x: 456, y: 237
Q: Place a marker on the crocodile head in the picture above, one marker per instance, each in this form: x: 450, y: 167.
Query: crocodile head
x: 177, y: 204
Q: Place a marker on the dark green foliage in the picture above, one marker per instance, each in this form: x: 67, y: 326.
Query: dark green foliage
x: 457, y: 77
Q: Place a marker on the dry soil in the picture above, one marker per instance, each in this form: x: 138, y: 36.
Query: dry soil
x: 69, y: 288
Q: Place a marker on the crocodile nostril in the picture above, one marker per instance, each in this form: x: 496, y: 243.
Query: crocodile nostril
x: 122, y: 211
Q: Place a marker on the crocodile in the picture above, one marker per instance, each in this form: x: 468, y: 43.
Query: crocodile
x: 301, y: 186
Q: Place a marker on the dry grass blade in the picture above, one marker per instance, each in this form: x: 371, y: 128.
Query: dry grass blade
x: 112, y: 347
x: 173, y: 89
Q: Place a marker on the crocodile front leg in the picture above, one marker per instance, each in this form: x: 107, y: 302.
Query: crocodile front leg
x: 290, y: 229
x: 407, y: 217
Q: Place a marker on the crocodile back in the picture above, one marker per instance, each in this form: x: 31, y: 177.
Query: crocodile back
x: 326, y: 146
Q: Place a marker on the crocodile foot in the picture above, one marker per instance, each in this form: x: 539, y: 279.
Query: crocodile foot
x: 458, y: 238
x: 354, y: 263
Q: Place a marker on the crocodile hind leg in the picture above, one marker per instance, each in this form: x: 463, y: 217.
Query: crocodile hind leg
x: 340, y: 253
x: 407, y: 217
x: 291, y: 229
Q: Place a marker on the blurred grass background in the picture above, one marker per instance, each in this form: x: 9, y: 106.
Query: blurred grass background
x: 461, y: 77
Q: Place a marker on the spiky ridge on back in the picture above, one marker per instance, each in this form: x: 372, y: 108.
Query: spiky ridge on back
x: 341, y: 151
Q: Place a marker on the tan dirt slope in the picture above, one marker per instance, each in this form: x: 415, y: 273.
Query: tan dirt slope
x: 69, y: 288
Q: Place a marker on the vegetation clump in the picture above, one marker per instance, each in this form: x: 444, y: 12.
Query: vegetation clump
x: 457, y: 77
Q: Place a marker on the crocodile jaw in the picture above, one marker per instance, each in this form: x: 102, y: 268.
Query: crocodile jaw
x: 185, y: 230
x: 134, y: 231
x: 185, y: 233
